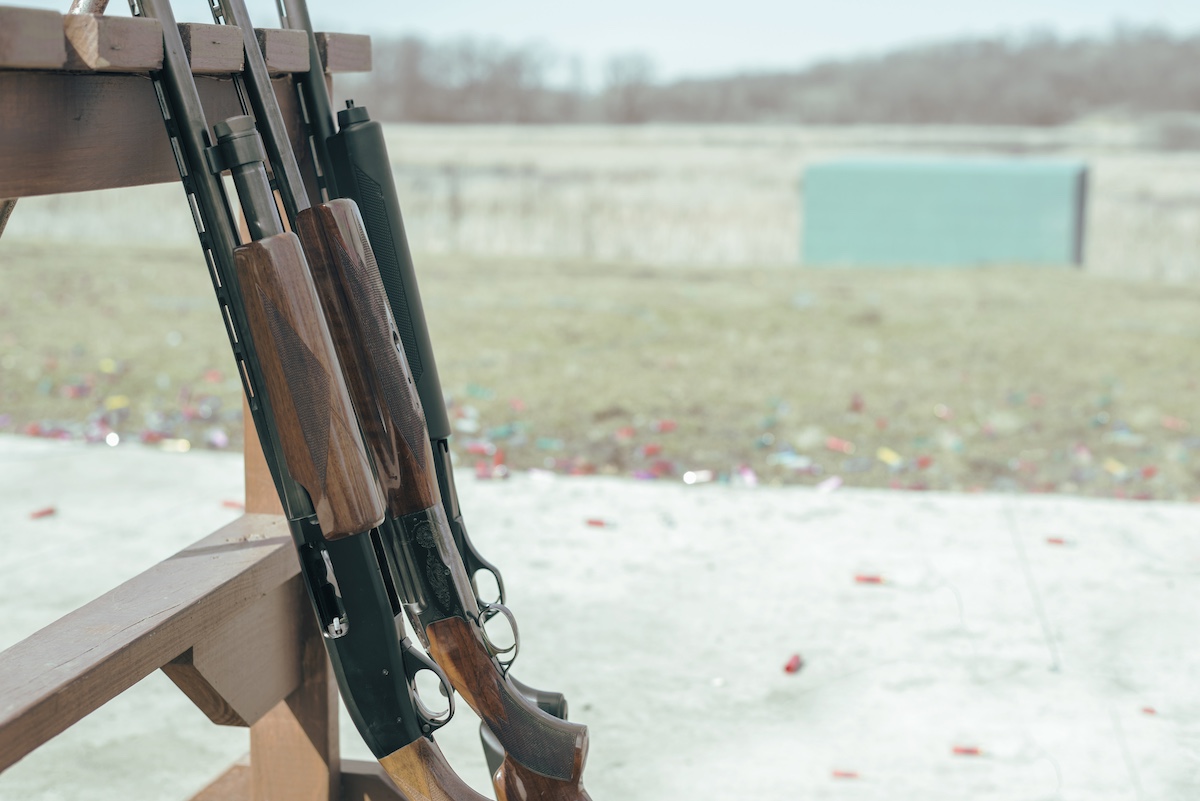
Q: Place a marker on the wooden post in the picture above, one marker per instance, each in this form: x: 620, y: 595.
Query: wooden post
x: 294, y: 747
x: 261, y: 497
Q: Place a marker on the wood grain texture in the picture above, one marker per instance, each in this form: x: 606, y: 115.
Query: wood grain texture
x: 38, y: 39
x: 368, y: 345
x: 367, y: 781
x: 284, y: 51
x: 421, y: 772
x: 62, y: 132
x: 239, y: 671
x: 294, y: 747
x: 56, y: 126
x: 538, y: 745
x: 511, y: 783
x: 218, y: 49
x: 31, y: 38
x: 360, y: 781
x: 73, y: 666
x: 345, y: 52
x: 200, y: 692
x: 212, y: 49
x: 318, y: 431
x: 261, y: 495
x: 232, y: 785
x: 107, y: 44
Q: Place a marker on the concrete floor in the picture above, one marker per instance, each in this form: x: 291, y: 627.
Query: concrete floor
x: 1053, y: 640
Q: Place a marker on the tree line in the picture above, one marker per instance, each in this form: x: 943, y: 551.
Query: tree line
x: 1031, y: 79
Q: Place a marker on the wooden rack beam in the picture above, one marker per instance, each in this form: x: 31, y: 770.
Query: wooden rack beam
x: 231, y: 600
x: 103, y: 44
x: 31, y: 39
x: 46, y: 40
x: 64, y: 132
x: 58, y: 675
x: 77, y: 106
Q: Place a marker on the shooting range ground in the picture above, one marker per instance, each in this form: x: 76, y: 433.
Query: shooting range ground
x: 952, y: 646
x: 998, y: 379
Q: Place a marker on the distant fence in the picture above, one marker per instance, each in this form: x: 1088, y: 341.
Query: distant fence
x: 622, y: 215
x: 687, y: 195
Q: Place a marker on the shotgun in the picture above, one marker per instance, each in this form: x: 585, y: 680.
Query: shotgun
x: 310, y: 438
x: 544, y: 756
x: 354, y: 164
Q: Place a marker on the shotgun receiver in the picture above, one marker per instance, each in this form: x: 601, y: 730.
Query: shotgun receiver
x: 310, y: 438
x: 545, y: 756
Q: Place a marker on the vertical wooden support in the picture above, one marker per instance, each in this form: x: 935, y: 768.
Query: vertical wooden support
x: 294, y: 747
x: 261, y: 497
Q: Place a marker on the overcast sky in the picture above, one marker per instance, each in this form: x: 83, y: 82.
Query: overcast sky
x: 697, y: 37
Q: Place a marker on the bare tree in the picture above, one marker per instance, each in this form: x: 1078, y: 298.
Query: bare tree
x: 628, y: 83
x: 1033, y: 79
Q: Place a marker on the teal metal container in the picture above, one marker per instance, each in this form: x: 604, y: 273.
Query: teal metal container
x: 943, y: 212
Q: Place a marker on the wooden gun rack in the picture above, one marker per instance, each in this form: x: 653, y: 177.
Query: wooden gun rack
x: 78, y: 112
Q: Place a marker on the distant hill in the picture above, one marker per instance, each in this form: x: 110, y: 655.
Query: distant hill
x: 1035, y: 79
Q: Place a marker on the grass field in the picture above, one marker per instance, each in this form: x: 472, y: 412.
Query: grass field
x: 1008, y: 379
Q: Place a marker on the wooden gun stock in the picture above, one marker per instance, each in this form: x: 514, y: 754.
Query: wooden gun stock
x: 421, y: 772
x: 545, y: 755
x: 317, y: 428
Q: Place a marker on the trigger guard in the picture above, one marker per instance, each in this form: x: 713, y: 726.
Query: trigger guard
x: 487, y: 613
x: 416, y: 660
x: 482, y: 565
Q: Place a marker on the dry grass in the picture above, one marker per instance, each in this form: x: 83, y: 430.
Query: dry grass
x: 1041, y: 379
